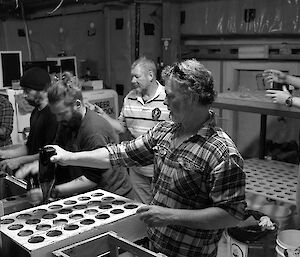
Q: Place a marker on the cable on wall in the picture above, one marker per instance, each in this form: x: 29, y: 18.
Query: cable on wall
x: 26, y: 33
x: 56, y: 8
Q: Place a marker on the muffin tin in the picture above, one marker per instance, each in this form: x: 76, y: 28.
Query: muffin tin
x: 40, y: 230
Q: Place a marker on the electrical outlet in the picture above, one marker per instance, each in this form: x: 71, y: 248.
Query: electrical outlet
x: 182, y: 17
x: 21, y: 33
x: 149, y: 29
x: 119, y: 23
x: 249, y: 15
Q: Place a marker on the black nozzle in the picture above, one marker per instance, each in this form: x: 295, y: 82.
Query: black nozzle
x: 45, y: 154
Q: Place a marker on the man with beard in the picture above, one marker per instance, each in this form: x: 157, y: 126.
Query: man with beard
x: 79, y: 129
x: 43, y: 123
x: 199, y: 182
x: 142, y: 109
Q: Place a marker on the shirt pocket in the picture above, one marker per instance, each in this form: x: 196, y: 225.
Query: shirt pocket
x: 189, y: 180
x: 160, y: 153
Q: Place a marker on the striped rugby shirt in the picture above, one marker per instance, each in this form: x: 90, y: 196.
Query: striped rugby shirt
x: 138, y: 117
x: 206, y: 170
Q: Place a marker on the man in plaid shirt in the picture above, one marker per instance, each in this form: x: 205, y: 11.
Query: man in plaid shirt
x: 198, y: 183
x: 6, y: 121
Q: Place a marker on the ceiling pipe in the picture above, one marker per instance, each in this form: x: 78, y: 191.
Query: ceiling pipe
x: 56, y: 8
x: 26, y: 33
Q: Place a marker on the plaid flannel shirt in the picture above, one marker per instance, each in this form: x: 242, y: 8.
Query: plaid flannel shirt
x: 205, y: 171
x: 6, y: 120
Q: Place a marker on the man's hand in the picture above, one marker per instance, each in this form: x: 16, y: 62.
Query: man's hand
x: 4, y: 155
x: 62, y: 156
x: 35, y: 196
x: 156, y: 216
x: 9, y: 165
x: 26, y: 169
x: 274, y: 75
x: 279, y: 96
x: 94, y: 107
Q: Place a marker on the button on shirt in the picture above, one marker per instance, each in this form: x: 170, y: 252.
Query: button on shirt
x: 206, y: 170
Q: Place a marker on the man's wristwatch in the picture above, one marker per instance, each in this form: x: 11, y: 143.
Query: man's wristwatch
x: 289, y: 101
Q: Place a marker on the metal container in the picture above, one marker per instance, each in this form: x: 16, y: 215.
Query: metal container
x: 12, y: 195
x: 108, y: 243
x: 10, y: 186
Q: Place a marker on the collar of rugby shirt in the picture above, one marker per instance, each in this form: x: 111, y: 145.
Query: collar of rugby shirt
x: 158, y: 91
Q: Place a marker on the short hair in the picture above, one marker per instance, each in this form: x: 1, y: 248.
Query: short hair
x: 67, y: 90
x: 147, y: 64
x: 192, y: 77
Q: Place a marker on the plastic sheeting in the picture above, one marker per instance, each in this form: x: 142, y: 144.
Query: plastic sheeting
x: 229, y: 17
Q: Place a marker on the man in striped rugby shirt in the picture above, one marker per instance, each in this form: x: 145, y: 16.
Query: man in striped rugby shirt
x: 142, y: 109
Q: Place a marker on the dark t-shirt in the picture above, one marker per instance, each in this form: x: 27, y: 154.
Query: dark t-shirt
x: 94, y: 132
x: 43, y: 126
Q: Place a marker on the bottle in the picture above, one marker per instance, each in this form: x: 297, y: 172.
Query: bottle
x: 32, y: 181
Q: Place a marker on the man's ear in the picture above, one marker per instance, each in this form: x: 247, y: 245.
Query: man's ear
x: 78, y: 103
x: 151, y: 75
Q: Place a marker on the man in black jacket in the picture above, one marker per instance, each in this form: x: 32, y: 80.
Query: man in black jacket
x: 43, y: 124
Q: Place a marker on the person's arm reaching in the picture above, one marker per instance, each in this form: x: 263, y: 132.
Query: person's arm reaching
x: 78, y: 185
x: 281, y: 96
x: 15, y: 163
x: 118, y: 127
x: 280, y: 77
x: 209, y: 218
x: 12, y: 159
x: 13, y: 153
x: 113, y: 122
x: 98, y: 158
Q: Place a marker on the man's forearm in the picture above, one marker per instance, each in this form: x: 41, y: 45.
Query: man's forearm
x: 16, y: 152
x: 296, y: 102
x: 98, y: 158
x: 114, y: 123
x: 78, y: 185
x: 209, y: 218
x: 28, y: 158
x: 294, y: 81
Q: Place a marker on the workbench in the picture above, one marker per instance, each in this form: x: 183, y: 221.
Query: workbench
x: 255, y: 102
